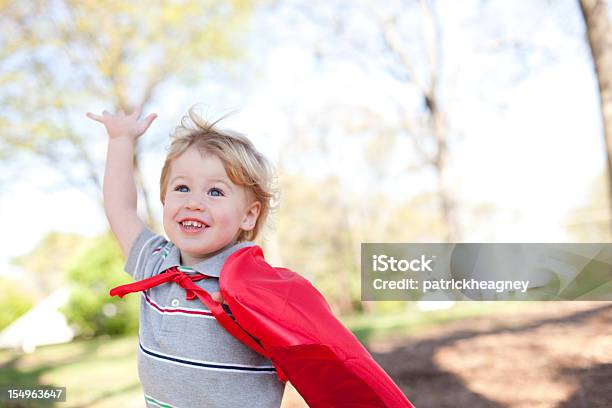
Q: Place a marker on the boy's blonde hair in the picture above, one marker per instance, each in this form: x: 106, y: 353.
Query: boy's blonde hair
x: 244, y: 165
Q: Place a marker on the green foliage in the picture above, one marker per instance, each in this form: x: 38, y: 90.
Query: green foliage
x: 95, y: 269
x: 15, y: 300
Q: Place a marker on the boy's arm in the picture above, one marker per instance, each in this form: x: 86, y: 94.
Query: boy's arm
x: 119, y: 192
x: 119, y: 189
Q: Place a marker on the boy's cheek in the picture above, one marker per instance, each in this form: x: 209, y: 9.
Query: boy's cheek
x: 168, y: 217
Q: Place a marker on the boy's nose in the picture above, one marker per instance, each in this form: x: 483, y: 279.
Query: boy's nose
x: 194, y: 204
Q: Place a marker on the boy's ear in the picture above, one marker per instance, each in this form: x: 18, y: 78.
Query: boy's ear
x: 250, y: 216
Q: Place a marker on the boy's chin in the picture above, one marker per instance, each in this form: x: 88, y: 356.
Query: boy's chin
x: 204, y: 252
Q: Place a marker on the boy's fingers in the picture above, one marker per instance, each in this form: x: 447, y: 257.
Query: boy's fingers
x: 94, y: 117
x: 137, y: 112
x: 148, y: 120
x: 104, y: 113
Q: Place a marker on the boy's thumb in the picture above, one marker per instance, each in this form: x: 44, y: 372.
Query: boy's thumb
x: 148, y: 120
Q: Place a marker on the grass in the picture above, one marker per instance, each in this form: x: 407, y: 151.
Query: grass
x: 97, y: 373
x: 102, y: 372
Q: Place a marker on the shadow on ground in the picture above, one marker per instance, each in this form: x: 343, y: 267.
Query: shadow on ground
x: 413, y: 366
x: 594, y: 386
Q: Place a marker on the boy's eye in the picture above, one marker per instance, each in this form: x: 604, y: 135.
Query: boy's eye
x: 180, y: 188
x: 215, y: 192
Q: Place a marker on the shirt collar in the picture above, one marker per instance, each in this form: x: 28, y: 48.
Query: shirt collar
x: 211, y: 266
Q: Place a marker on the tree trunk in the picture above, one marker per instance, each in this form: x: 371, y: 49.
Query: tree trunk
x: 597, y: 24
x: 439, y: 131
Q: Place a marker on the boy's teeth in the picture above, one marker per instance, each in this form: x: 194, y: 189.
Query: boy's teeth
x: 192, y: 223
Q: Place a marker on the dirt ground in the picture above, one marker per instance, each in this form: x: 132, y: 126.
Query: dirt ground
x: 554, y: 354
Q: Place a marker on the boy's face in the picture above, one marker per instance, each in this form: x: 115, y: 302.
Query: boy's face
x: 199, y: 190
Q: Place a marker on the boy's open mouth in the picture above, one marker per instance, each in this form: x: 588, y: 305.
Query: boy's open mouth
x: 192, y: 226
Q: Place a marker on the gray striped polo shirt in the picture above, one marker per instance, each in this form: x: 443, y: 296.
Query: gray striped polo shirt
x: 185, y: 358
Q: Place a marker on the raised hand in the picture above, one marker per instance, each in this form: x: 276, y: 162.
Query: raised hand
x: 120, y: 125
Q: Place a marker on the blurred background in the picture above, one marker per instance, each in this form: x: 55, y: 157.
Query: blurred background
x: 394, y: 121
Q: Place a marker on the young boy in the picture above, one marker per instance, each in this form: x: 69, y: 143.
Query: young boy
x: 216, y: 190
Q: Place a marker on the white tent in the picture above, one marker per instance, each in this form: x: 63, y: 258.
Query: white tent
x: 41, y: 325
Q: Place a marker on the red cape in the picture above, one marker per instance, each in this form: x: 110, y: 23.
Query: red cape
x: 280, y: 315
x: 300, y: 335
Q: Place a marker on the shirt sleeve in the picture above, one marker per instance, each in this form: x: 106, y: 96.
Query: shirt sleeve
x: 146, y: 250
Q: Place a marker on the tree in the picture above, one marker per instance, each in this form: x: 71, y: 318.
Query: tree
x: 58, y: 56
x: 321, y: 240
x: 402, y: 41
x: 48, y: 261
x: 15, y: 299
x: 95, y: 268
x: 315, y: 238
x: 599, y: 37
